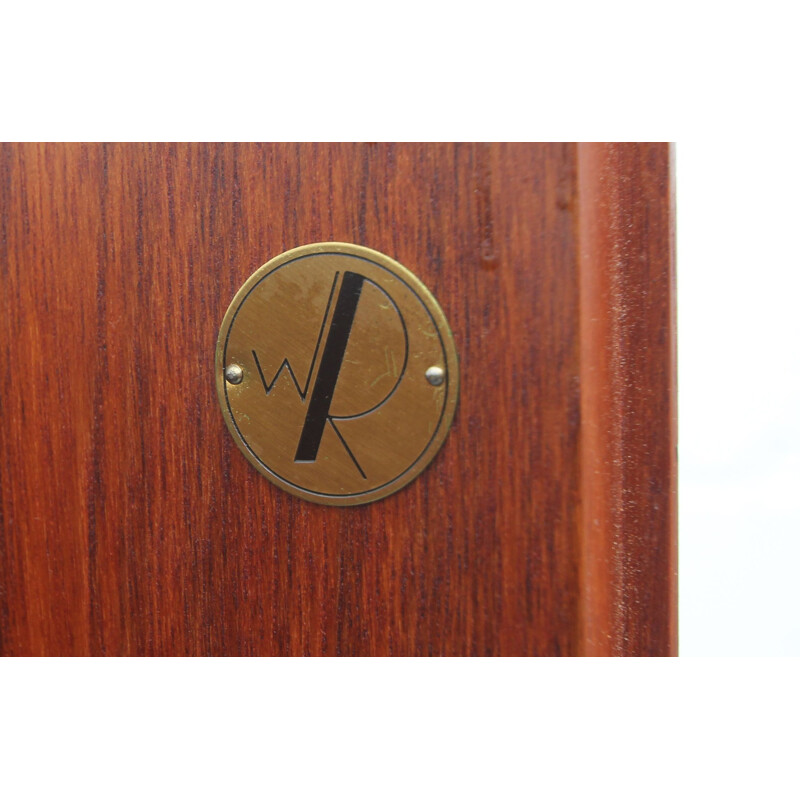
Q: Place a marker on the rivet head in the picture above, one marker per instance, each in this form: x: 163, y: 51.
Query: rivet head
x: 435, y: 376
x: 234, y: 374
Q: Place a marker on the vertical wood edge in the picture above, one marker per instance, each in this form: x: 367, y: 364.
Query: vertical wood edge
x: 673, y: 413
x: 628, y: 524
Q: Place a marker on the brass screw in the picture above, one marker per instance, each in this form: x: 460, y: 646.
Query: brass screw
x: 234, y: 374
x: 435, y: 376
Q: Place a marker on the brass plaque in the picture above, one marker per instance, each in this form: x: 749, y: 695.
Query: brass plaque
x: 337, y: 373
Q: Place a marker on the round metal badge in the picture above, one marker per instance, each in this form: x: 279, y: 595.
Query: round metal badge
x: 337, y: 373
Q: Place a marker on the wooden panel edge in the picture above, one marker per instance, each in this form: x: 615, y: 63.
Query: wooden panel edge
x: 628, y: 462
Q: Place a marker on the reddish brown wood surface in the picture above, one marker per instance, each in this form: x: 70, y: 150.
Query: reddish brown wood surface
x: 628, y: 404
x: 131, y: 525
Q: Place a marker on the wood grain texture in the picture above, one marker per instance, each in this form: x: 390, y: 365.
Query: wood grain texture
x: 130, y: 523
x: 628, y: 400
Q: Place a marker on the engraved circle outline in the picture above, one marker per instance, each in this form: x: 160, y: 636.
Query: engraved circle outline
x: 391, y: 272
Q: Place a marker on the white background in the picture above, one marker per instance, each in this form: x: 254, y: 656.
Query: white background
x: 739, y: 396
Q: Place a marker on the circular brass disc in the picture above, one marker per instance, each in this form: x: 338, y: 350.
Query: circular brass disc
x: 337, y: 373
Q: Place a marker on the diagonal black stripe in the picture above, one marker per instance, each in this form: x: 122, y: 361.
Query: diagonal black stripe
x: 332, y: 358
x: 319, y: 337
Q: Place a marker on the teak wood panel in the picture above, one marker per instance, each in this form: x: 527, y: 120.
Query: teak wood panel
x: 131, y: 524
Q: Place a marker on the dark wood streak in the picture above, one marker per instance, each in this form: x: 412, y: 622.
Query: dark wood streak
x: 131, y: 525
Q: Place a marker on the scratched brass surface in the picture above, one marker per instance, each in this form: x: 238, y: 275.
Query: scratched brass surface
x: 333, y: 404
